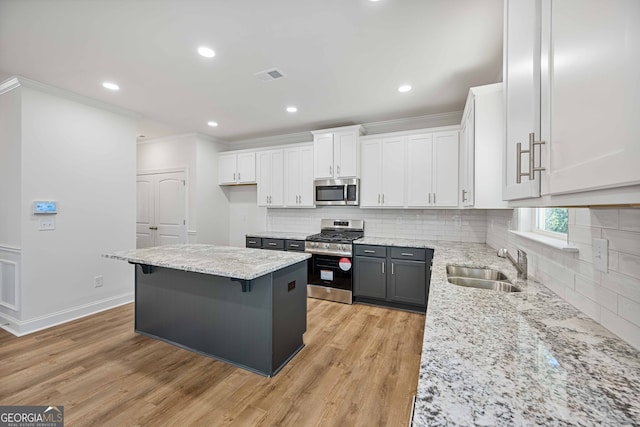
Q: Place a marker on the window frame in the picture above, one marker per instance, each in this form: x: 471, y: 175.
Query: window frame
x: 538, y: 217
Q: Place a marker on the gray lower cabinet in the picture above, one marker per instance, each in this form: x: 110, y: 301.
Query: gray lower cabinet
x: 274, y: 244
x: 392, y: 276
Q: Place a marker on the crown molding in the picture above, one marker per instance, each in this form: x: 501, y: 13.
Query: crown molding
x: 413, y: 123
x: 16, y: 81
x: 268, y: 141
x: 180, y: 136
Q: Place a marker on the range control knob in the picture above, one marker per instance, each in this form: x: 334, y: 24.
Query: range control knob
x: 326, y: 246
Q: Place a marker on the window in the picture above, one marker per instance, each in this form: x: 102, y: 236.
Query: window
x: 552, y: 221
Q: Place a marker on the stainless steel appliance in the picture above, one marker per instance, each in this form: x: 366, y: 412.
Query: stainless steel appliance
x: 331, y: 266
x: 337, y: 192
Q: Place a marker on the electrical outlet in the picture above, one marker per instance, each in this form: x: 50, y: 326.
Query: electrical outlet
x: 601, y: 255
x: 47, y: 223
x: 97, y: 281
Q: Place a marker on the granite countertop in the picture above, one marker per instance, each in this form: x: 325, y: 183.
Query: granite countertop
x: 389, y: 241
x: 226, y: 261
x: 525, y: 358
x: 280, y: 235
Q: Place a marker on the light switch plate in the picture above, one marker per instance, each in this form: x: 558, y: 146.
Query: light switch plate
x: 47, y: 223
x: 601, y: 255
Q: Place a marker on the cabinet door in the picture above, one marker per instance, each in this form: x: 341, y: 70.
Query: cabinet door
x: 264, y: 178
x: 419, y: 170
x: 393, y: 177
x: 345, y: 160
x: 467, y: 140
x: 306, y: 177
x: 246, y: 165
x: 323, y: 156
x: 594, y: 89
x: 370, y: 277
x: 522, y: 92
x: 371, y: 173
x: 277, y: 179
x: 445, y: 169
x: 227, y: 169
x: 407, y: 282
x: 292, y: 170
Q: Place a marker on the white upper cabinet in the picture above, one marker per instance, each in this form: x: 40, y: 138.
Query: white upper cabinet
x: 571, y: 79
x: 237, y: 168
x: 335, y: 152
x: 482, y: 146
x: 410, y: 170
x: 593, y: 93
x: 432, y: 170
x: 522, y: 93
x: 382, y: 180
x: 445, y: 169
x: 298, y: 177
x: 271, y: 178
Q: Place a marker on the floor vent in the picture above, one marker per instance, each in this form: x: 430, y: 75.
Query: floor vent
x: 271, y: 74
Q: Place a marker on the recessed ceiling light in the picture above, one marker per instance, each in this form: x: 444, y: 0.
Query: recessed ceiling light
x: 206, y: 52
x: 374, y: 1
x: 110, y: 86
x: 404, y: 88
x: 212, y: 124
x: 292, y: 109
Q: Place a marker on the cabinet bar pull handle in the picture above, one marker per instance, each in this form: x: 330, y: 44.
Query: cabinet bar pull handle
x: 429, y: 198
x: 464, y: 197
x: 378, y: 199
x: 294, y: 246
x: 406, y: 254
x: 434, y: 198
x: 367, y: 251
x: 272, y: 244
x: 252, y: 241
x: 338, y: 168
x: 532, y: 159
x: 392, y: 268
x: 330, y: 170
x: 383, y: 198
x: 383, y: 268
x: 238, y: 176
x: 234, y: 176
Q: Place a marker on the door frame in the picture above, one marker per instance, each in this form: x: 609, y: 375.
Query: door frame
x: 184, y: 169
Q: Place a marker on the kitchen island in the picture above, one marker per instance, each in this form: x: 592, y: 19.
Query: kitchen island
x: 246, y: 307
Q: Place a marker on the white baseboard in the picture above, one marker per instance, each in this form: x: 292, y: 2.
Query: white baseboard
x: 24, y: 327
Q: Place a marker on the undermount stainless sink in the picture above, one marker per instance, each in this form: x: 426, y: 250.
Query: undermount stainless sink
x: 481, y: 278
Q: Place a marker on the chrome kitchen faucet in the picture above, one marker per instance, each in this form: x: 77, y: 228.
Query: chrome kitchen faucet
x: 520, y: 265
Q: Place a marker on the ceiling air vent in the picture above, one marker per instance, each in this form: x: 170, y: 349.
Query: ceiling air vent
x: 271, y: 74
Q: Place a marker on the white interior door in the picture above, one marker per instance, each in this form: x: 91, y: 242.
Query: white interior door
x: 161, y: 209
x: 145, y: 211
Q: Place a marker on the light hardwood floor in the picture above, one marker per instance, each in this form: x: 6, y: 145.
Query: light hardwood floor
x: 359, y: 368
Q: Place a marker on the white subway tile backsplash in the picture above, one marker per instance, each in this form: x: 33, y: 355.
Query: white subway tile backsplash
x: 623, y: 241
x: 629, y: 264
x: 584, y: 234
x: 622, y: 285
x: 626, y: 330
x: 584, y: 304
x: 630, y: 219
x: 597, y: 293
x: 605, y: 218
x: 629, y: 310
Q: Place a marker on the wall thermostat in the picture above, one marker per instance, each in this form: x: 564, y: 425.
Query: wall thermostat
x: 50, y: 207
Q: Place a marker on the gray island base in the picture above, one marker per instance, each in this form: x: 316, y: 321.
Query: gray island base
x: 254, y: 323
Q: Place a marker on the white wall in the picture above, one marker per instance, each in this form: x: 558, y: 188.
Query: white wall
x: 611, y: 299
x: 207, y: 204
x: 10, y: 158
x: 177, y: 152
x: 244, y: 214
x: 83, y: 157
x: 212, y: 204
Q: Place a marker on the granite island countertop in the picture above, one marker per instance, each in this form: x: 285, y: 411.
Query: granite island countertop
x: 526, y: 358
x: 226, y: 261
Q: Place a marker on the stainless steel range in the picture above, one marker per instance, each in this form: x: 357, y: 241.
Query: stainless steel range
x: 331, y: 266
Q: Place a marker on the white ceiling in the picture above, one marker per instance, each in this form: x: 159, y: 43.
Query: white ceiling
x: 344, y: 59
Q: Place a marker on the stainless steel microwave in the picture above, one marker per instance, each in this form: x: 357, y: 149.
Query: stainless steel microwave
x: 337, y: 192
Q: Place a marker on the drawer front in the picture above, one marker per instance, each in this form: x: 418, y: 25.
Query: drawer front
x: 275, y: 244
x: 253, y: 242
x: 414, y: 254
x: 374, y: 251
x: 294, y: 245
